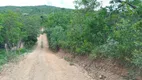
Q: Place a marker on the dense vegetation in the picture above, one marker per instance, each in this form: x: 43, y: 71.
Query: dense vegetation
x: 111, y: 32
x: 16, y: 30
x: 100, y: 32
x: 20, y: 26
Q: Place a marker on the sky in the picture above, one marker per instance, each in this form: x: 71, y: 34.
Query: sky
x: 57, y: 3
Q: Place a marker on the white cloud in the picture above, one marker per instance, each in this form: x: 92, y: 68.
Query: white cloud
x: 22, y: 2
x: 61, y: 3
x: 58, y: 3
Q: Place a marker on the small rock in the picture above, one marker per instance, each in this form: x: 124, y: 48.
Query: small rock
x: 102, y: 77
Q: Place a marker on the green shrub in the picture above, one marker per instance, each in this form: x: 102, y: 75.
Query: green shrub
x: 3, y: 57
x: 30, y: 41
x: 55, y: 35
x: 107, y: 32
x: 10, y: 56
x: 22, y: 50
x: 137, y: 58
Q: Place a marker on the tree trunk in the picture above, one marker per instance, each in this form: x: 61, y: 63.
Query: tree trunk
x: 6, y: 48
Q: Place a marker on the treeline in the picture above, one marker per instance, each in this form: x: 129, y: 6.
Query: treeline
x: 111, y: 32
x: 17, y: 30
x: 20, y: 26
x: 33, y: 10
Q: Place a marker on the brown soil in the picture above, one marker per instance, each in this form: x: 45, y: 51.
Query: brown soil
x: 108, y: 69
x: 98, y: 68
x: 42, y: 64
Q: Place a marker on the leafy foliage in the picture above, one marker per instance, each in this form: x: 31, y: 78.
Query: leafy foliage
x: 16, y: 29
x: 112, y: 32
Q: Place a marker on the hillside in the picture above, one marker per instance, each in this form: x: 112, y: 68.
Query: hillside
x: 40, y: 10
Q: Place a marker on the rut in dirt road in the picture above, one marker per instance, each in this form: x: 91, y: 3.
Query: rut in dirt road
x: 42, y: 64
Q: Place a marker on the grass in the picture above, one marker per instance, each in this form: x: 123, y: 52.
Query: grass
x: 69, y: 60
x: 10, y: 56
x: 3, y: 57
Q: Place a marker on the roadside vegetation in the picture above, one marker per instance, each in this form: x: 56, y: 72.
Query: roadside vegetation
x: 19, y: 29
x: 113, y: 32
x: 101, y: 32
x: 18, y: 33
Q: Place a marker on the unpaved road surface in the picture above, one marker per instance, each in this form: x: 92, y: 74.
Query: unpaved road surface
x: 42, y: 64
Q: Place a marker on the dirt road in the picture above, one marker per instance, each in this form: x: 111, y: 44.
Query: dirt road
x: 42, y: 64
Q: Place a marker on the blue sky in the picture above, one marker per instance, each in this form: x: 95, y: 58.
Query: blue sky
x: 58, y: 3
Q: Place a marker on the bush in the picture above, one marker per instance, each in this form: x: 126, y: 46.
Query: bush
x: 30, y: 41
x: 3, y: 57
x: 137, y: 58
x: 107, y: 50
x: 10, y: 56
x: 55, y: 36
x: 107, y: 32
